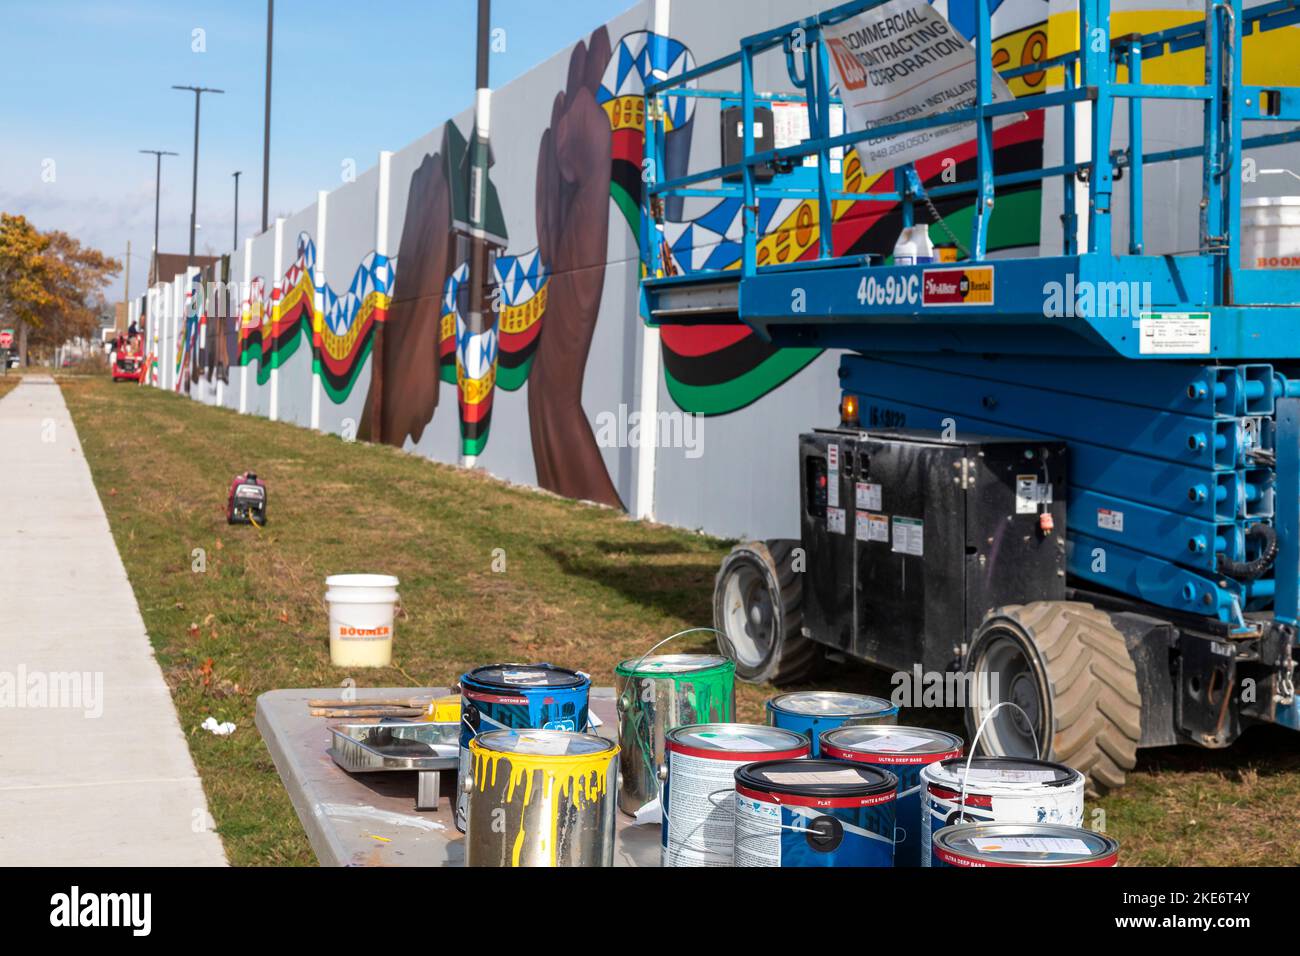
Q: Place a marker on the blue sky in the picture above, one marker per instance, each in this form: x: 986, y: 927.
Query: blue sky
x: 85, y: 84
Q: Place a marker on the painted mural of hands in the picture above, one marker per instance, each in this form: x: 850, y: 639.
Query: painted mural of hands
x: 573, y: 174
x: 409, y: 379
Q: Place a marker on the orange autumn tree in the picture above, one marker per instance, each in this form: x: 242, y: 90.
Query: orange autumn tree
x: 51, y: 286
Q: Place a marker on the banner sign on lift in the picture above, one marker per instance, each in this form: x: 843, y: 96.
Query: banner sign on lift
x: 903, y: 61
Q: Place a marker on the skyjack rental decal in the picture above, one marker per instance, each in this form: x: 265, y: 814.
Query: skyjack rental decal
x: 902, y: 61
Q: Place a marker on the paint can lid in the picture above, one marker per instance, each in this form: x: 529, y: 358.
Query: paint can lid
x: 889, y: 742
x: 831, y: 703
x: 736, y: 741
x: 526, y: 676
x: 1026, y: 844
x: 996, y: 772
x: 672, y: 664
x: 545, y: 743
x: 815, y: 778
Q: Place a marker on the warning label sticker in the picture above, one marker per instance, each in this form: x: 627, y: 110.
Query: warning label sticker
x: 1174, y: 333
x: 868, y: 496
x: 909, y: 536
x: 1110, y: 520
x: 833, y: 476
x: 871, y: 527
x: 836, y: 520
x: 969, y: 286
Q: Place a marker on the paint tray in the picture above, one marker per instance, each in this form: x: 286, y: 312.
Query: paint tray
x: 425, y: 747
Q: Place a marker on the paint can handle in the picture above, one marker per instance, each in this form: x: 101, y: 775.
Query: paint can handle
x: 662, y: 775
x: 961, y: 808
x: 689, y: 630
x: 730, y: 790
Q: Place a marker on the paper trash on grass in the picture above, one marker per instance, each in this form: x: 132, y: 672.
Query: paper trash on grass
x: 904, y: 61
x: 223, y: 729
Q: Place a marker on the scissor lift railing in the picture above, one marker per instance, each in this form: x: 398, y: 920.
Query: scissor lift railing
x: 878, y: 307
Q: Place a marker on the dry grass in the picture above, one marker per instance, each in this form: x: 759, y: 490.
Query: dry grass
x: 583, y: 587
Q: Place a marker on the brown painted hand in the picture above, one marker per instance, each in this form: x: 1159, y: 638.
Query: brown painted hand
x: 407, y: 386
x: 573, y: 168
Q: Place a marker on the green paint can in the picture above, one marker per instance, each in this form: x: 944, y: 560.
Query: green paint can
x: 655, y: 694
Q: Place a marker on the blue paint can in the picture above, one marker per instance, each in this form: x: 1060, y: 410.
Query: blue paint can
x: 814, y: 712
x: 805, y: 813
x: 904, y: 752
x: 517, y: 697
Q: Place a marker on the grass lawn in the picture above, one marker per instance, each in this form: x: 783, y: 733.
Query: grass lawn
x: 9, y: 382
x: 583, y: 587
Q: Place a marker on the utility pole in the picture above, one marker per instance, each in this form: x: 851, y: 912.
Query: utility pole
x: 126, y: 284
x: 479, y: 319
x: 266, y: 125
x: 157, y: 191
x: 234, y: 243
x: 198, y: 92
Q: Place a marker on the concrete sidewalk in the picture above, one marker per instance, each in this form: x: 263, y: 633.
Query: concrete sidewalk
x: 94, y: 769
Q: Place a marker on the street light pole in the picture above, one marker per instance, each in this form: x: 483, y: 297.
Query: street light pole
x: 266, y: 123
x: 198, y: 92
x: 234, y: 243
x: 157, y: 189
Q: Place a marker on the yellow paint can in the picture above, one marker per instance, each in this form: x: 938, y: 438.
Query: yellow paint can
x: 540, y: 798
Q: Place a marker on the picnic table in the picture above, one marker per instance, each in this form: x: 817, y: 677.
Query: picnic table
x: 369, y: 819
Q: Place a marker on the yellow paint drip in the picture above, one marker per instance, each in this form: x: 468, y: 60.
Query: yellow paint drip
x: 582, y: 779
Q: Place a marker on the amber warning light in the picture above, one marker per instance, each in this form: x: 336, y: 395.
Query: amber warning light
x: 849, y: 411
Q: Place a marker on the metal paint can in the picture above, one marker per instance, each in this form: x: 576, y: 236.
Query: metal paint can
x: 698, y: 803
x: 517, y: 697
x: 804, y: 813
x: 813, y: 712
x: 540, y: 798
x: 1022, y: 844
x: 998, y: 790
x: 904, y: 752
x: 656, y: 694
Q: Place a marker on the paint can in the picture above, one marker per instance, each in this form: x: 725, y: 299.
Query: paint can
x: 904, y: 752
x: 813, y: 712
x: 1022, y: 844
x: 998, y: 790
x: 700, y: 769
x: 656, y: 694
x: 804, y: 813
x: 540, y: 798
x: 517, y: 697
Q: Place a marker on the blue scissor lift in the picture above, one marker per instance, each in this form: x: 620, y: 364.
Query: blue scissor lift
x: 1180, y: 418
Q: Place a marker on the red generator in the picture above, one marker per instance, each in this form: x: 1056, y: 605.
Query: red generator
x: 247, y: 501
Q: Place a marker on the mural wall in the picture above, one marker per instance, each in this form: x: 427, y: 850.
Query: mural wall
x: 354, y: 314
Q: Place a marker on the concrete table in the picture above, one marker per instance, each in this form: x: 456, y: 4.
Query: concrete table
x: 369, y: 819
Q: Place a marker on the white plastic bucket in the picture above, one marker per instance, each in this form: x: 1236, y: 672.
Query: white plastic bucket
x: 1270, y: 233
x: 361, y: 619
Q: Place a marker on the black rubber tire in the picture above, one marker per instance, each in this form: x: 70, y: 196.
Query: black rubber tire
x: 782, y: 655
x: 1087, y: 679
